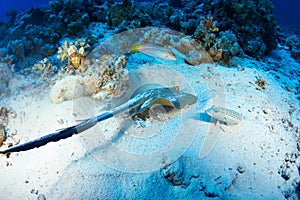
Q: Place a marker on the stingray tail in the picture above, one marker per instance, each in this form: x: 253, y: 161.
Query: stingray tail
x: 69, y: 131
x: 54, y: 137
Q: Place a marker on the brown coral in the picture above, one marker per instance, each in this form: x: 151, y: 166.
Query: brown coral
x: 207, y: 26
x: 221, y: 46
x: 75, y: 53
x: 76, y: 60
x: 210, y: 24
x: 261, y: 82
x: 206, y: 34
x: 215, y: 53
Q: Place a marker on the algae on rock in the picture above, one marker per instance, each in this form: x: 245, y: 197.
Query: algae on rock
x: 251, y: 21
x: 75, y: 53
x: 104, y: 78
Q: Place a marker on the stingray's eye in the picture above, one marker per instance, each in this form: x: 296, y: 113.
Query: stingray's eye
x: 176, y: 88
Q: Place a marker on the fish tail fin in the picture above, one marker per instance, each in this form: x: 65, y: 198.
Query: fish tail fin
x: 135, y: 48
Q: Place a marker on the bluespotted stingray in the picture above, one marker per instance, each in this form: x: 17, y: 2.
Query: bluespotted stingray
x: 139, y: 103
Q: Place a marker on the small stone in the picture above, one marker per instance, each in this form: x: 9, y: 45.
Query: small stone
x: 60, y: 121
x: 286, y: 174
x: 41, y: 197
x: 241, y: 169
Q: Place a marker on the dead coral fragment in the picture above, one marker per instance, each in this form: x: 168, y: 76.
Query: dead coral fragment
x: 75, y: 53
x: 261, y: 82
x: 45, y: 68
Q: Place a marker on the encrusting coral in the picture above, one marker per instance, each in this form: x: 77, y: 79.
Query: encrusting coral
x: 104, y: 78
x: 110, y: 79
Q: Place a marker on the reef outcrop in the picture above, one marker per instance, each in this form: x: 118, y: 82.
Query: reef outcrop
x: 246, y: 26
x: 103, y: 79
x: 251, y: 21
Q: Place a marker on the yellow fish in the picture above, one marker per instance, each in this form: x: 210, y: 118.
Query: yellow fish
x: 154, y: 50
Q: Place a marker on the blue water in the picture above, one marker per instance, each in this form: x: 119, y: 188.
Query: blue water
x: 20, y: 5
x: 287, y: 13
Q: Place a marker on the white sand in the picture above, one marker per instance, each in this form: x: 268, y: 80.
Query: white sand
x: 129, y: 167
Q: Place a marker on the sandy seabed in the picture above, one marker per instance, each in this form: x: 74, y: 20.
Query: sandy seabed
x: 115, y: 160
